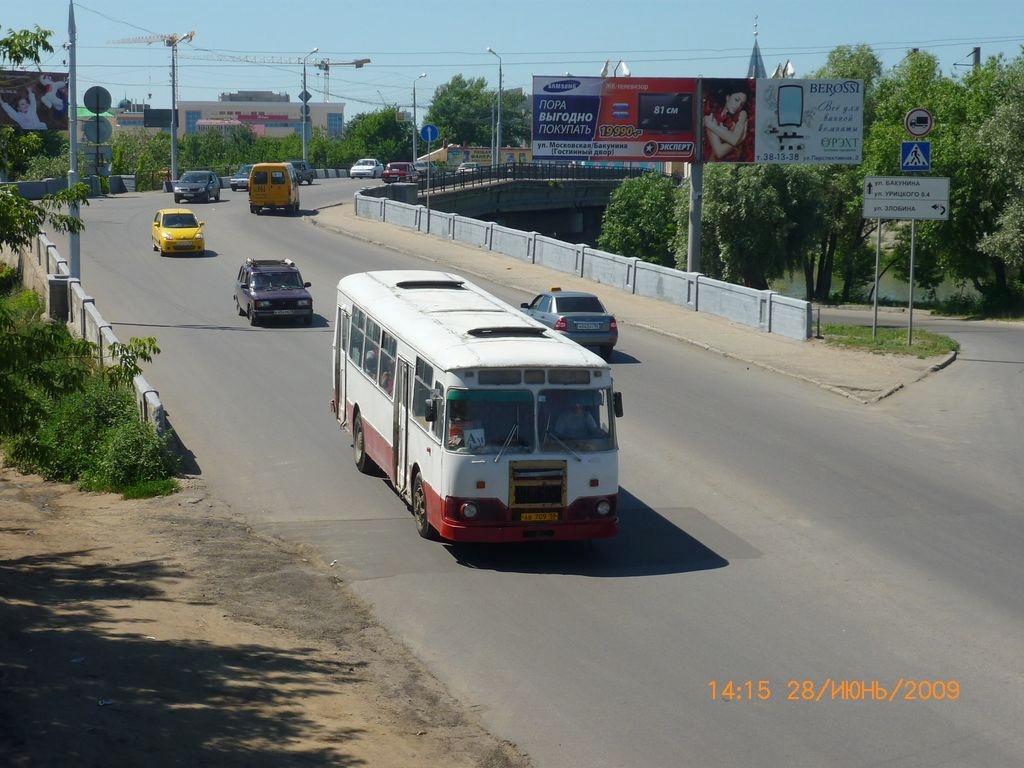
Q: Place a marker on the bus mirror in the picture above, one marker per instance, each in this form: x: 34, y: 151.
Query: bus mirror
x: 430, y: 412
x: 617, y: 403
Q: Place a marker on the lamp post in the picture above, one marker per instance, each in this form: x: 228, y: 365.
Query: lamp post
x: 497, y: 138
x: 414, y: 130
x: 304, y: 98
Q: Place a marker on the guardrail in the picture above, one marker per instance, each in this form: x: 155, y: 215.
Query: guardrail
x: 46, y: 272
x: 446, y: 179
x: 767, y: 311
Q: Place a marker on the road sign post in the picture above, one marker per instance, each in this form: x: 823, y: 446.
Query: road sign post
x: 430, y: 133
x: 906, y: 197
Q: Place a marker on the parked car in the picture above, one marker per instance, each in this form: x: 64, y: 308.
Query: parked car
x: 367, y: 168
x: 468, y: 167
x: 201, y: 186
x: 303, y: 170
x: 240, y: 178
x: 399, y: 171
x: 177, y: 230
x: 272, y: 289
x: 579, y: 315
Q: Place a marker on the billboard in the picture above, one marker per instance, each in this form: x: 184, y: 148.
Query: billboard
x: 648, y: 119
x: 810, y: 121
x: 34, y: 101
x: 659, y: 119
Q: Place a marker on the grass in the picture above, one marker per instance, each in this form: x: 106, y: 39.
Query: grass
x: 889, y: 341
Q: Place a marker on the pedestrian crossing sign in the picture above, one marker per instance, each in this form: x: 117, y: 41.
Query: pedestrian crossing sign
x: 916, y: 156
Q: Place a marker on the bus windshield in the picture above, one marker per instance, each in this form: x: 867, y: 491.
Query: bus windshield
x: 576, y: 419
x: 489, y: 420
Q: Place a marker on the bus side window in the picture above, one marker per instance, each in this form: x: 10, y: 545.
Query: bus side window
x: 371, y: 349
x: 355, y: 347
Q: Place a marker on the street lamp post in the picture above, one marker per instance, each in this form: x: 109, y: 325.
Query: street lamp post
x: 497, y: 138
x: 304, y: 98
x: 414, y: 130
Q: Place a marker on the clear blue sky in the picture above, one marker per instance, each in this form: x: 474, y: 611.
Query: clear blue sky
x: 236, y: 43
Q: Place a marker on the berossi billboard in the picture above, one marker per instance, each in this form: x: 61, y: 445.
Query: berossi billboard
x: 34, y: 101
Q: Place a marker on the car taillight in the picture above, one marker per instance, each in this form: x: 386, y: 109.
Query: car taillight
x: 561, y: 325
x: 613, y: 326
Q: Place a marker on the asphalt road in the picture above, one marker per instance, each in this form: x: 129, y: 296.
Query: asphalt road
x: 772, y: 531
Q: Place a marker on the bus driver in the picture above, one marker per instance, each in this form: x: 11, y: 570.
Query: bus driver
x: 576, y: 424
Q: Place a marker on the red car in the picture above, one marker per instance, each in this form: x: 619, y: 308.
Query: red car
x: 400, y: 172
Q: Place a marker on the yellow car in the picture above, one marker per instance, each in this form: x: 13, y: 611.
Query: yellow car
x: 177, y: 230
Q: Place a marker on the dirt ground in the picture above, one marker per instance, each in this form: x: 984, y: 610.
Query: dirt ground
x: 165, y: 632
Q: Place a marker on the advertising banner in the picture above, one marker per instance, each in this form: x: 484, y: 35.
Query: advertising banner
x: 655, y: 119
x: 34, y: 101
x: 728, y: 112
x: 810, y: 121
x: 648, y: 119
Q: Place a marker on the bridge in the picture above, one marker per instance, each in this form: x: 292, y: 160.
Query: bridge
x: 558, y: 200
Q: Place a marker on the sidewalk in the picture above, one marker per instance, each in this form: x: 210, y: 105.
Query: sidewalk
x: 861, y: 376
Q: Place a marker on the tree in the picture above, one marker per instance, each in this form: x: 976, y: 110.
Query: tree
x: 21, y: 219
x: 639, y: 220
x: 756, y: 221
x: 975, y: 143
x: 462, y: 110
x: 842, y: 231
x: 378, y: 134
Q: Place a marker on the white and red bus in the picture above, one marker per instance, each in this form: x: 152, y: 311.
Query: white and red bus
x: 490, y: 426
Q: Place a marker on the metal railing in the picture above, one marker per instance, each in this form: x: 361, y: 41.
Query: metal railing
x: 447, y: 179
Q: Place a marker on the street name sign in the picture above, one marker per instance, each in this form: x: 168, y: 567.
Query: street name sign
x: 906, y: 197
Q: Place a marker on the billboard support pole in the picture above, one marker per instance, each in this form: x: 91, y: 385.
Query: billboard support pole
x: 696, y: 188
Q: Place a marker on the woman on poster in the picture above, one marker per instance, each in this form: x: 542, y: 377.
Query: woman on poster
x: 727, y: 130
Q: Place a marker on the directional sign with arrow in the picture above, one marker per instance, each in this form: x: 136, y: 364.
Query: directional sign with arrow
x: 906, y: 197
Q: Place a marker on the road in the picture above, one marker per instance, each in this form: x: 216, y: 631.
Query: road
x: 771, y: 531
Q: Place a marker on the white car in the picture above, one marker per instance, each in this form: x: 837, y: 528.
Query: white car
x: 367, y: 168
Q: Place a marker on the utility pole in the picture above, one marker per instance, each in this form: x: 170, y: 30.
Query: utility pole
x: 497, y: 138
x: 171, y: 41
x: 74, y: 239
x: 304, y: 98
x: 415, y: 156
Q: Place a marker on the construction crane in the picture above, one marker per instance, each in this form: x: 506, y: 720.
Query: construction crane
x: 171, y: 41
x: 325, y: 66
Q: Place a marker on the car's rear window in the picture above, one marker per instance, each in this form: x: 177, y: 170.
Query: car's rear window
x: 579, y: 304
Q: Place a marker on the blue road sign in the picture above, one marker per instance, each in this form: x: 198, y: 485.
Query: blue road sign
x: 429, y: 132
x: 916, y: 156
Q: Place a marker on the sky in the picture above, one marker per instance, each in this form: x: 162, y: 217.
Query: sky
x: 258, y: 45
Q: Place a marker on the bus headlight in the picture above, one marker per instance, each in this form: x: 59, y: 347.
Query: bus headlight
x: 604, y: 507
x: 469, y: 510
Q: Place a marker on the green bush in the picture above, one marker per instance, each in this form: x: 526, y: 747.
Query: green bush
x: 130, y: 454
x: 94, y: 437
x: 66, y: 441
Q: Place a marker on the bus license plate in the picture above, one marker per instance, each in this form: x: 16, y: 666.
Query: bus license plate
x: 538, y: 517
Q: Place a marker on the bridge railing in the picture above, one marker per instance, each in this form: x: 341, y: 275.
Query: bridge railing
x: 447, y: 180
x: 767, y: 311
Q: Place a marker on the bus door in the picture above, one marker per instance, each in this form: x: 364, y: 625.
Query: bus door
x: 401, y: 425
x: 341, y: 364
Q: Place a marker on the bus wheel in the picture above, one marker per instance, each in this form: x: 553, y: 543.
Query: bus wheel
x: 363, y: 462
x: 419, y: 510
